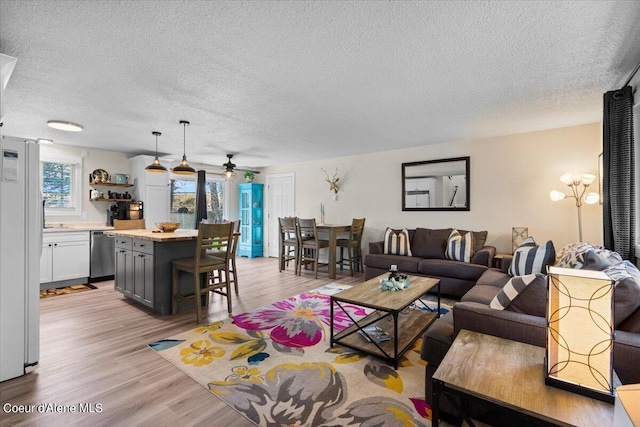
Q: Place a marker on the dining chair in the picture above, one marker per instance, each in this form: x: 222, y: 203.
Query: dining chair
x: 213, y: 247
x: 310, y: 244
x: 289, y: 244
x: 353, y: 246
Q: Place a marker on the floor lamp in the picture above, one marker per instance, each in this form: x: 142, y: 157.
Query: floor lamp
x: 578, y: 185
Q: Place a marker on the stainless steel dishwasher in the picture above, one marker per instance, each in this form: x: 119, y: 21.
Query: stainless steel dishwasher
x: 102, y: 255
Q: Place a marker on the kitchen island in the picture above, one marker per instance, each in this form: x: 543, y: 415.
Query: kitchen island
x: 143, y: 266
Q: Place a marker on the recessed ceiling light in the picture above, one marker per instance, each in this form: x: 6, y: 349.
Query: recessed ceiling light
x: 44, y: 141
x: 62, y: 125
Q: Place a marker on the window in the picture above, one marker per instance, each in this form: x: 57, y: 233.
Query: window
x: 183, y: 201
x: 61, y: 184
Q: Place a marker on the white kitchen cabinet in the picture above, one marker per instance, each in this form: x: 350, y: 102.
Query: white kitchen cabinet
x: 153, y: 189
x: 65, y: 256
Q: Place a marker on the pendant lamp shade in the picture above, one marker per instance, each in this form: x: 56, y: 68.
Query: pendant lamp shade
x: 156, y: 166
x: 183, y: 168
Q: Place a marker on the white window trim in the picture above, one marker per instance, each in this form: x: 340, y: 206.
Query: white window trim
x: 76, y: 184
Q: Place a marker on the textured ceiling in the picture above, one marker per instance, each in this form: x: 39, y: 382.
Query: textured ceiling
x: 276, y: 82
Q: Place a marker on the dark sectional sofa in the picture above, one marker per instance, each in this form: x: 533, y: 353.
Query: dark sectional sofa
x: 524, y: 320
x: 428, y: 259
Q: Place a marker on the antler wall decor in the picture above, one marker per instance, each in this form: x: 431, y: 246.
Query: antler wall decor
x: 333, y: 182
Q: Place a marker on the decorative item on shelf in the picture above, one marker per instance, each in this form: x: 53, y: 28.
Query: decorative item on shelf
x: 156, y: 166
x: 321, y: 214
x: 183, y: 168
x: 121, y: 178
x: 518, y: 235
x: 580, y: 332
x: 100, y: 176
x: 395, y: 281
x: 333, y: 182
x: 167, y: 227
x: 575, y: 182
x: 249, y: 176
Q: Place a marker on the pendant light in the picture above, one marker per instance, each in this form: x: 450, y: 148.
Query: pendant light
x: 156, y: 166
x: 183, y: 168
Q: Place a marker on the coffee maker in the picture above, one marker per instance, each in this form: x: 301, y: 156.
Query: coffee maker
x: 124, y: 210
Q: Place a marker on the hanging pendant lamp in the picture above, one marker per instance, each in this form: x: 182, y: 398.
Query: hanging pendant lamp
x: 156, y: 166
x: 183, y: 168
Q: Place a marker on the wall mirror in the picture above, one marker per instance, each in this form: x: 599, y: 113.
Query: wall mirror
x: 436, y: 185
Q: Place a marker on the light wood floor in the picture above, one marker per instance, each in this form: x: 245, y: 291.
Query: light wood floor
x: 94, y: 351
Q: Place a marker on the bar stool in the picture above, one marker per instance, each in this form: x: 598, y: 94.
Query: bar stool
x: 212, y: 239
x: 310, y: 245
x: 289, y: 244
x: 216, y: 276
x: 353, y: 245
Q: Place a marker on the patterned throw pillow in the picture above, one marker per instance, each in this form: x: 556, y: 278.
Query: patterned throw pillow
x: 531, y: 259
x: 460, y: 247
x: 397, y: 242
x: 513, y: 288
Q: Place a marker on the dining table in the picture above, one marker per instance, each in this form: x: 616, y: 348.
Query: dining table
x: 332, y: 230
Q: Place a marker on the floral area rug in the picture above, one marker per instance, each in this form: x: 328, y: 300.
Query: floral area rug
x: 274, y: 366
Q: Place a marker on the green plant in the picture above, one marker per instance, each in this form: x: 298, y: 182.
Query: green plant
x: 249, y: 176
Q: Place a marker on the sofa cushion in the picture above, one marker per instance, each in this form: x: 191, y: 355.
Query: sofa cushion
x: 482, y: 294
x: 405, y: 264
x: 631, y: 323
x: 460, y: 246
x: 449, y: 268
x: 627, y: 290
x: 397, y: 242
x: 530, y: 258
x: 493, y: 277
x: 523, y: 294
x: 429, y: 243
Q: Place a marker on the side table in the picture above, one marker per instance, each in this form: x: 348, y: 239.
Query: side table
x: 509, y: 376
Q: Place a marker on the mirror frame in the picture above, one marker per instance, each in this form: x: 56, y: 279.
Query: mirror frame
x: 467, y: 161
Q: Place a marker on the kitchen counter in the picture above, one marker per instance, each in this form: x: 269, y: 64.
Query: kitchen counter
x: 155, y: 235
x: 66, y: 227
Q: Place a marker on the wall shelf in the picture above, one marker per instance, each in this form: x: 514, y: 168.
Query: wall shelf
x: 110, y: 184
x: 110, y: 200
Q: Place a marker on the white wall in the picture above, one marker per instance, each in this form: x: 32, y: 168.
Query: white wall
x: 112, y: 162
x: 511, y: 177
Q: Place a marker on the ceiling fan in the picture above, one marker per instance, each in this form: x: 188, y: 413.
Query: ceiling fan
x: 229, y: 169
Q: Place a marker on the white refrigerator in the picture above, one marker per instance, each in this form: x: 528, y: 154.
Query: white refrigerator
x: 20, y: 247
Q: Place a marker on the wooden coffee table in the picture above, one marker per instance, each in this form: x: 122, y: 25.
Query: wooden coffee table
x: 509, y: 375
x: 393, y: 312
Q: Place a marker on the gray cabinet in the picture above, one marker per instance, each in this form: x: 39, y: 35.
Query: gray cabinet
x: 135, y: 272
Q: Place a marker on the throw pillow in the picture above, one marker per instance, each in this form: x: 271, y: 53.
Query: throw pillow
x: 530, y: 258
x: 460, y: 247
x: 572, y: 255
x: 517, y: 289
x: 397, y: 242
x: 429, y: 243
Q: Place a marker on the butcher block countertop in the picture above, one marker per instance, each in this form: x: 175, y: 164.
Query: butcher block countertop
x: 155, y: 235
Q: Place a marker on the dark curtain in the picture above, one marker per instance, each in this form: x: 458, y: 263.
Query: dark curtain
x: 619, y: 173
x: 201, y: 198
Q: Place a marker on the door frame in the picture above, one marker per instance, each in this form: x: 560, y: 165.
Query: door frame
x: 267, y: 196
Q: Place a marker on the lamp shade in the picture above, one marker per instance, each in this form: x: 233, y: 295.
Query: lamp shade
x: 567, y: 178
x: 580, y: 332
x: 591, y: 198
x: 588, y: 178
x: 183, y: 168
x: 556, y: 195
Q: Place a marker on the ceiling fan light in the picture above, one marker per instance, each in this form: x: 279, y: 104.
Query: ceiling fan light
x: 64, y: 125
x: 229, y: 174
